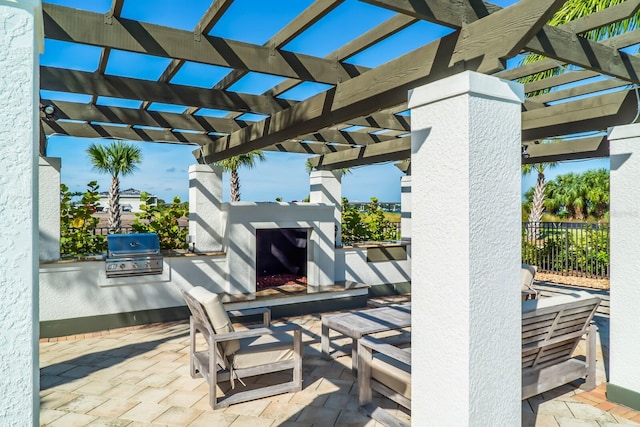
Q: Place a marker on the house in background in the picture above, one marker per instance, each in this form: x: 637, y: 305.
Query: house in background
x: 129, y: 200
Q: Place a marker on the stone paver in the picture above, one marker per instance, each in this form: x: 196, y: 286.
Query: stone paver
x: 140, y: 377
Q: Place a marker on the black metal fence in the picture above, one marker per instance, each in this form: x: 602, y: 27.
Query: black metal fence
x: 570, y: 248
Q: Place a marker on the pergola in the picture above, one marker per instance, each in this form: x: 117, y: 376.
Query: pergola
x: 361, y: 119
x: 483, y: 37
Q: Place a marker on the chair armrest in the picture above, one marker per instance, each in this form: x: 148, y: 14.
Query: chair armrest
x: 266, y: 314
x: 380, y: 346
x: 250, y: 333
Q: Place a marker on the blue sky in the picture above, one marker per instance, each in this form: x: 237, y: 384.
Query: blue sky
x: 163, y: 171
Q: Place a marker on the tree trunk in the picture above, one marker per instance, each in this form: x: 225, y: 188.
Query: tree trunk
x: 234, y: 182
x: 114, y: 206
x: 537, y: 208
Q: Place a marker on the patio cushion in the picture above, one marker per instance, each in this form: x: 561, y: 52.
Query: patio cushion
x: 532, y: 305
x: 392, y: 373
x: 527, y: 274
x: 217, y: 316
x: 263, y: 350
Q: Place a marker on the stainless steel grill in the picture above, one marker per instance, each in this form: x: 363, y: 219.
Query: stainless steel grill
x: 134, y: 254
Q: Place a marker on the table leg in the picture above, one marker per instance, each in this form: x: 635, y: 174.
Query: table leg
x: 354, y: 356
x: 324, y: 339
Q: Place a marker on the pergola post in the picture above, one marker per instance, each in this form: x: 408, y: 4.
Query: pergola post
x: 405, y: 207
x: 49, y: 218
x: 466, y: 249
x: 624, y: 369
x: 21, y: 41
x: 326, y: 187
x: 205, y: 199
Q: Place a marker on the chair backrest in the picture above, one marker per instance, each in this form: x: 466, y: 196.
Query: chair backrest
x: 207, y: 308
x: 528, y: 273
x: 553, y: 327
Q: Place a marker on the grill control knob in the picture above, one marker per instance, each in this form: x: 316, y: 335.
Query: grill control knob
x: 134, y: 265
x: 122, y: 266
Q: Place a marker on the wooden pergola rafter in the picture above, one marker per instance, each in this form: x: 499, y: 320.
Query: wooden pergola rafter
x: 358, y: 119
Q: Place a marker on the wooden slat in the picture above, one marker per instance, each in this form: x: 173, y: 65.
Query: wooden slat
x: 578, y: 91
x: 397, y: 149
x: 568, y: 150
x: 63, y: 80
x: 134, y: 116
x: 73, y: 25
x: 86, y: 130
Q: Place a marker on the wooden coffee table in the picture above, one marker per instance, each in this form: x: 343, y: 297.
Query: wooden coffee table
x: 363, y: 322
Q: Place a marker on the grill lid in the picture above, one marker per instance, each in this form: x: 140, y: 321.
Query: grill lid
x: 135, y: 244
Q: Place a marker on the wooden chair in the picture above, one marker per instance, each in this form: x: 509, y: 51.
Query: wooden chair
x: 528, y: 273
x: 552, y: 328
x: 385, y: 368
x: 232, y: 355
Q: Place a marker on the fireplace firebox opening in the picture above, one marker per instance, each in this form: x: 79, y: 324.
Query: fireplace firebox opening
x: 281, y: 257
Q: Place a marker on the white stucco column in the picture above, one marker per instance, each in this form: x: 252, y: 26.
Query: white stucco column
x: 21, y: 41
x: 624, y: 369
x: 49, y: 207
x: 326, y: 187
x: 205, y: 200
x: 405, y: 207
x: 465, y: 165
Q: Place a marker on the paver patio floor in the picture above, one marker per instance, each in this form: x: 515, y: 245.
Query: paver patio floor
x: 140, y: 377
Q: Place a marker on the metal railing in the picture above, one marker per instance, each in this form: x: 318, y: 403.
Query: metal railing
x: 569, y: 248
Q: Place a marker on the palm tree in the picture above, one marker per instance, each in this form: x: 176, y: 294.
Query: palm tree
x: 232, y: 164
x: 537, y: 203
x: 117, y: 159
x: 597, y: 183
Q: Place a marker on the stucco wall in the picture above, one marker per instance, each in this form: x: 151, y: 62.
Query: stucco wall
x: 80, y: 289
x: 352, y: 265
x: 625, y: 247
x: 19, y: 81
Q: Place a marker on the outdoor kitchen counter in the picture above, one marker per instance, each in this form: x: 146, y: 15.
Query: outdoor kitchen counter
x: 167, y: 254
x: 381, y: 251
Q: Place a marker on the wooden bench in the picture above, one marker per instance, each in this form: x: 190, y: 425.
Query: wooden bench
x: 552, y: 328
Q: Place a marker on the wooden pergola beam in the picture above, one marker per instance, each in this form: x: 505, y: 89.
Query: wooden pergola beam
x: 134, y: 116
x: 88, y: 130
x: 79, y: 26
x: 347, y: 138
x: 387, y: 151
x: 583, y: 148
x: 59, y: 79
x: 579, y: 90
x: 595, y: 113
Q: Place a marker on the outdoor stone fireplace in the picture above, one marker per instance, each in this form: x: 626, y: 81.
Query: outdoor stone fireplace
x: 278, y: 238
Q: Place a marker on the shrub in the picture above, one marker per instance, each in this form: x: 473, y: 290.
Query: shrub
x: 372, y: 225
x: 77, y: 225
x: 163, y: 220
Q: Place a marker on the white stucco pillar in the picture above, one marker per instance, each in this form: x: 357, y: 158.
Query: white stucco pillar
x: 405, y: 207
x: 326, y: 187
x: 624, y: 353
x: 21, y: 41
x: 465, y: 165
x: 49, y: 207
x: 205, y: 199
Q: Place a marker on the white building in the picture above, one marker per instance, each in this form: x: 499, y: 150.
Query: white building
x: 129, y: 200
